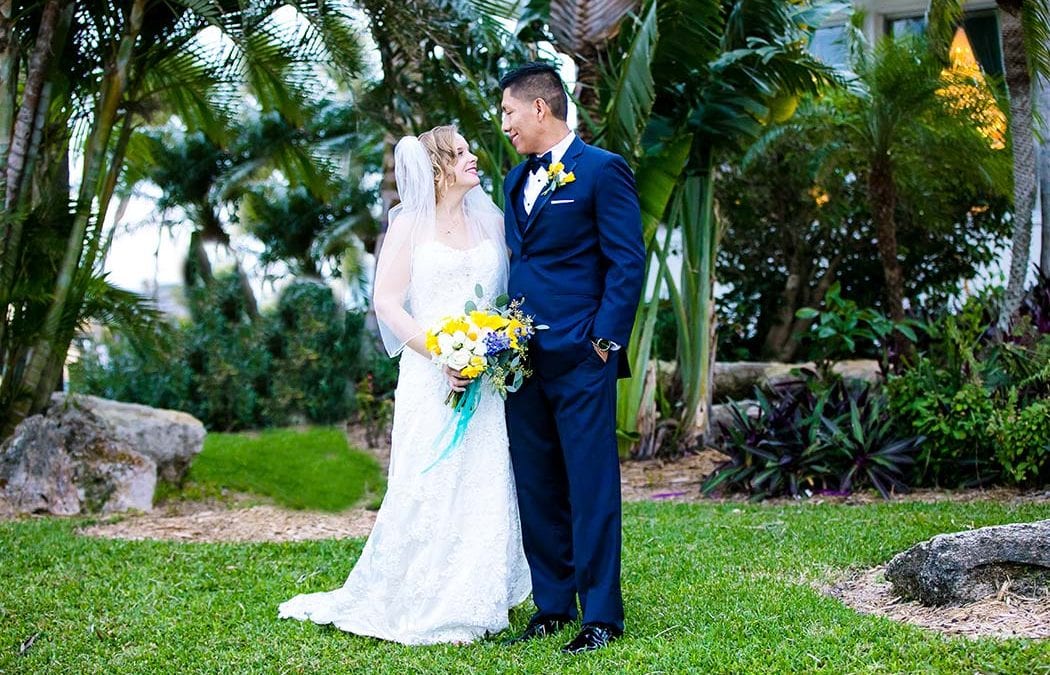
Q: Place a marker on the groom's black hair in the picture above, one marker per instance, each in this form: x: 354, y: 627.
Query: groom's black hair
x: 538, y: 80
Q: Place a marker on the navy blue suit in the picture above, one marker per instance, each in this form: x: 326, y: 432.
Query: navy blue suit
x: 578, y: 260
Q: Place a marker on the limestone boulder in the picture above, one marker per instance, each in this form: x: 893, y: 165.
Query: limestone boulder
x: 963, y: 567
x: 170, y: 438
x: 67, y: 461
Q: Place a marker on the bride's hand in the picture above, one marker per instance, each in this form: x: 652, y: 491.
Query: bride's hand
x: 455, y: 380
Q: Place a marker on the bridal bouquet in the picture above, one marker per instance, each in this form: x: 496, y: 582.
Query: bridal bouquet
x: 485, y: 345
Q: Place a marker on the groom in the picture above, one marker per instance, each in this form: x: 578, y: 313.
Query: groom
x: 577, y: 258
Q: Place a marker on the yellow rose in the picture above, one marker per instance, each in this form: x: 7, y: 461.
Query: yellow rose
x: 568, y: 178
x: 432, y: 343
x: 556, y: 168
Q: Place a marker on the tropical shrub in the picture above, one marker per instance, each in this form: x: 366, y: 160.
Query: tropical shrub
x: 315, y: 346
x: 842, y: 327
x: 981, y: 399
x: 298, y: 363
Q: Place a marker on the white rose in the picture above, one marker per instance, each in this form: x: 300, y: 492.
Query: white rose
x: 459, y: 359
x: 445, y: 343
x: 479, y: 348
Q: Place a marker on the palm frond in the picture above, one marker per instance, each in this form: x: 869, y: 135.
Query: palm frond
x: 123, y: 311
x: 633, y: 92
x: 1035, y: 16
x: 580, y: 24
x: 186, y: 84
x: 508, y: 10
x: 658, y: 175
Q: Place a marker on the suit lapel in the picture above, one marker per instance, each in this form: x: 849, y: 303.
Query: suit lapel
x: 572, y: 155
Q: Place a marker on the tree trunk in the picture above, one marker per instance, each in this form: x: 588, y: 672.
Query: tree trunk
x: 1044, y: 178
x: 883, y: 194
x: 589, y: 104
x: 782, y: 341
x: 8, y: 92
x: 27, y: 112
x: 1019, y: 85
x: 113, y: 90
x: 109, y: 184
x: 696, y: 348
x: 251, y: 306
x: 198, y: 266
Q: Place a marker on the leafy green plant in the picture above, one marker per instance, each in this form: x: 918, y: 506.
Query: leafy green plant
x: 316, y: 347
x: 841, y: 326
x: 979, y: 398
x: 1022, y: 438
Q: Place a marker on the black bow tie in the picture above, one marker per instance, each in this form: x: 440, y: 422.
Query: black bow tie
x: 538, y: 162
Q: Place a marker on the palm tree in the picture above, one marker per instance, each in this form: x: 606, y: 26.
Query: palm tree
x: 723, y: 67
x: 1024, y: 29
x: 116, y: 64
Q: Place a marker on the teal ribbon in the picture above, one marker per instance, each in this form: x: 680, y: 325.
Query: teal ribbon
x: 462, y: 413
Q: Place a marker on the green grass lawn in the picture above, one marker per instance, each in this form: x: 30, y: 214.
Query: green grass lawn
x: 301, y: 469
x: 709, y: 588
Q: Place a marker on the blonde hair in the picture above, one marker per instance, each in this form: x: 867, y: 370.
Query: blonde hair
x: 440, y: 143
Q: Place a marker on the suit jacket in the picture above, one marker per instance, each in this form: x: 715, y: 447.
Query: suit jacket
x: 578, y: 259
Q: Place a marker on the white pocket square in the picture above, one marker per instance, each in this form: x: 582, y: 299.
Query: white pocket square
x: 562, y: 201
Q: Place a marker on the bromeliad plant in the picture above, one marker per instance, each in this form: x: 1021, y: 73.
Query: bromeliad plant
x: 814, y: 437
x: 776, y: 451
x: 865, y: 438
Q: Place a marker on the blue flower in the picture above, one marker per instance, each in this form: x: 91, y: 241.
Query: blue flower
x: 496, y: 342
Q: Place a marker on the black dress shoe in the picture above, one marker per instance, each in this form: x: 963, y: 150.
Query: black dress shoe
x: 592, y: 636
x: 540, y: 627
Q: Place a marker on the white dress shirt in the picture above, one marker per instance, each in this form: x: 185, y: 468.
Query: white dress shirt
x: 537, y: 180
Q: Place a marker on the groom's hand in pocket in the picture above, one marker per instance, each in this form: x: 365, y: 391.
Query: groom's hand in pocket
x: 455, y: 380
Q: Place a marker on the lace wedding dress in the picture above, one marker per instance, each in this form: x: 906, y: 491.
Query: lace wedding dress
x: 444, y: 561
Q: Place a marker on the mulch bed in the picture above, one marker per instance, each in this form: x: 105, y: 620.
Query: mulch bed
x: 1005, y: 615
x: 218, y: 523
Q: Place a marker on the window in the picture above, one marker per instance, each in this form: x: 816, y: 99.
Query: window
x: 829, y: 45
x: 982, y: 30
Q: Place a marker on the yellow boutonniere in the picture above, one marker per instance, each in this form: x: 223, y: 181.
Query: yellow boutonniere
x: 556, y: 177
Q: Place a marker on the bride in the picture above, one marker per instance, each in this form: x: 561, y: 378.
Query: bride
x: 444, y: 561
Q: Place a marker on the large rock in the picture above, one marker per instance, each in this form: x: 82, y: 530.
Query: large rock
x: 968, y: 566
x: 68, y: 461
x: 169, y: 437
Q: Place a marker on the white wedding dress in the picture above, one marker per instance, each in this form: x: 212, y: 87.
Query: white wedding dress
x: 444, y: 561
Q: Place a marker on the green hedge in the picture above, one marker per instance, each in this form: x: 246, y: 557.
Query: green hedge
x: 300, y: 362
